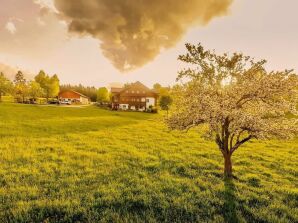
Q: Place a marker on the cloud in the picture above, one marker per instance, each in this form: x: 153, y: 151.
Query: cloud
x: 46, y: 4
x: 133, y: 32
x: 10, y: 27
x: 40, y: 21
x: 31, y: 31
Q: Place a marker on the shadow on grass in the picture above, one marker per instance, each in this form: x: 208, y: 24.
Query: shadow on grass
x: 230, y: 204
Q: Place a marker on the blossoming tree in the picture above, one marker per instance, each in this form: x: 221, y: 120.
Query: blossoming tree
x: 236, y: 98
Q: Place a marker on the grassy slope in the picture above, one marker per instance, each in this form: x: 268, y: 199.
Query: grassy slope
x: 86, y: 164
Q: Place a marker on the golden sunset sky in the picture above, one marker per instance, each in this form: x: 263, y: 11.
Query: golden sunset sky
x: 97, y: 42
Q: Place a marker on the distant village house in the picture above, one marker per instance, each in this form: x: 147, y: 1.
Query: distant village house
x: 73, y: 97
x: 135, y: 96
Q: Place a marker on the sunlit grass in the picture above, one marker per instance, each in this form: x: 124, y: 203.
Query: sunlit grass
x: 62, y: 164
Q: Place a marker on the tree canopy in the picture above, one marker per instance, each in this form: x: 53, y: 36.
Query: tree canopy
x: 103, y: 95
x: 49, y: 84
x: 43, y: 85
x: 6, y: 85
x: 35, y: 90
x: 165, y: 102
x: 236, y: 97
x: 21, y: 86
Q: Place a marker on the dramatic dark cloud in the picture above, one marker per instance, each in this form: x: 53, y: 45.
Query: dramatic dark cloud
x: 133, y: 32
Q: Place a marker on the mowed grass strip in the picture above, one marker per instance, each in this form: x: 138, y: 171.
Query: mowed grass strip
x: 60, y: 164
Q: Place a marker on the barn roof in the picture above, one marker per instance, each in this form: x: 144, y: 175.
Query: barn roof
x: 78, y: 93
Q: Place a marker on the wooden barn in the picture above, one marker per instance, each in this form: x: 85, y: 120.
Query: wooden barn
x: 73, y: 97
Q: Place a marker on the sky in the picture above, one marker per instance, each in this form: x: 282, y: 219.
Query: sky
x: 81, y: 42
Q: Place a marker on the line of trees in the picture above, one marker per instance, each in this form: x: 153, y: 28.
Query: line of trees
x: 23, y: 90
x: 47, y: 87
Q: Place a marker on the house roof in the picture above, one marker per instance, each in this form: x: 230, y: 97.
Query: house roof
x: 84, y: 96
x: 78, y: 93
x: 137, y: 84
x: 116, y: 89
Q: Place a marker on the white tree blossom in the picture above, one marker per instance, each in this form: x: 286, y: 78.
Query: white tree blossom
x: 236, y: 98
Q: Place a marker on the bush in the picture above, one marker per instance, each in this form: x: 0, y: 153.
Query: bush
x: 104, y: 105
x: 152, y: 109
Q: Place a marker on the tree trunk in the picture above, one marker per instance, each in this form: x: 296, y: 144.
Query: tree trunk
x: 0, y: 97
x: 228, y: 166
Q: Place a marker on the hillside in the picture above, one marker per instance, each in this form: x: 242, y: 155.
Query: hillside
x: 60, y: 164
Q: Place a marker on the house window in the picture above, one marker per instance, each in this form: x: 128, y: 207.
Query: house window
x: 133, y: 92
x: 147, y: 100
x: 127, y: 91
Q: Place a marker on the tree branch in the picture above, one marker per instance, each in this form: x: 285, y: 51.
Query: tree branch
x: 231, y: 141
x: 218, y: 140
x: 239, y: 143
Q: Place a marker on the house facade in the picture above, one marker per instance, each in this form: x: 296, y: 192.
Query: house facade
x: 135, y: 96
x: 73, y: 97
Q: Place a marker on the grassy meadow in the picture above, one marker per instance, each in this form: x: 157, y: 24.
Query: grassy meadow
x: 60, y: 164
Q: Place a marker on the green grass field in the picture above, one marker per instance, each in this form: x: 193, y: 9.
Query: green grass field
x: 62, y: 164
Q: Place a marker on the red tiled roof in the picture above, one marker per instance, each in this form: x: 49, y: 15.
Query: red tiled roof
x: 116, y: 90
x: 78, y: 93
x: 136, y: 84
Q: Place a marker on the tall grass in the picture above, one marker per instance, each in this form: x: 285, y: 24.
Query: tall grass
x: 62, y: 164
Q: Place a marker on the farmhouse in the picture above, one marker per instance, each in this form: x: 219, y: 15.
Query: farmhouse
x: 135, y: 96
x: 70, y: 97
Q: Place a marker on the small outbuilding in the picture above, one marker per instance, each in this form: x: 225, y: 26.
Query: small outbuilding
x: 73, y: 97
